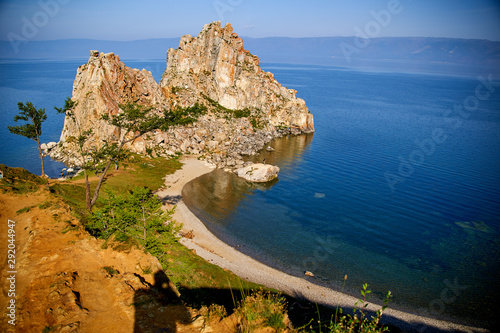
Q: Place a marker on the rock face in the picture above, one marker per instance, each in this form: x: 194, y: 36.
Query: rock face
x: 258, y: 173
x: 246, y: 106
x: 216, y: 65
x: 100, y: 86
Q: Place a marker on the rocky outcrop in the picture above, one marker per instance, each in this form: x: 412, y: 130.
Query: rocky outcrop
x: 258, y: 172
x: 246, y: 106
x: 100, y: 86
x: 215, y: 64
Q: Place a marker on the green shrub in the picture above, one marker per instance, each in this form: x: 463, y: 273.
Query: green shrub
x: 241, y: 113
x: 183, y: 116
x: 19, y: 180
x: 359, y: 321
x: 228, y: 113
x: 214, y: 312
x: 262, y: 309
x: 256, y: 123
x: 45, y: 205
x: 175, y: 90
x: 110, y: 270
x: 24, y: 210
x: 134, y: 216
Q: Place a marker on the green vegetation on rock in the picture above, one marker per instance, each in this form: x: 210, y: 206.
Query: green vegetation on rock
x: 182, y: 116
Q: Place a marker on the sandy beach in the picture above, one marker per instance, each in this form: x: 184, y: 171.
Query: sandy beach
x: 217, y: 252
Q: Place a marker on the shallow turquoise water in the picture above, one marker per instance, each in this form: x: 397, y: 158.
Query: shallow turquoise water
x: 333, y: 212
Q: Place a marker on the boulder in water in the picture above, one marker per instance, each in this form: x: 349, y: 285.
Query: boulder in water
x: 258, y: 172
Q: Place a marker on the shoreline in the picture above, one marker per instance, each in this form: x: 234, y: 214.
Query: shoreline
x: 212, y: 249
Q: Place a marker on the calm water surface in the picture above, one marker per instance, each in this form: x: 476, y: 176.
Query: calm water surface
x: 333, y: 211
x: 46, y: 84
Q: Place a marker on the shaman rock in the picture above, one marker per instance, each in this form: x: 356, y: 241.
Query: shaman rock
x: 100, y: 86
x: 245, y: 107
x: 216, y: 65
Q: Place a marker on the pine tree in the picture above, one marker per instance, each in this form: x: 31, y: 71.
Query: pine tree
x: 33, y: 129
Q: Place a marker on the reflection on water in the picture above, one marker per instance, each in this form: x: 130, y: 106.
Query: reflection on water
x: 287, y: 150
x: 218, y: 193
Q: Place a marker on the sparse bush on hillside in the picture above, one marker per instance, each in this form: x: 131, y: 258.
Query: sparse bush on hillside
x: 360, y: 321
x: 135, y: 215
x: 262, y: 309
x: 228, y: 113
x: 19, y: 181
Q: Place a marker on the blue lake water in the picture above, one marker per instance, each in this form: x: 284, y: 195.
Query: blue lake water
x: 46, y: 84
x: 390, y: 190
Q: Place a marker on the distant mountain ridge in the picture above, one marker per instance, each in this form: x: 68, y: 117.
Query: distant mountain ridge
x: 452, y: 53
x: 71, y: 49
x: 449, y: 50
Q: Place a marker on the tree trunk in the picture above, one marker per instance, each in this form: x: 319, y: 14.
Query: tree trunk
x: 98, y: 187
x: 144, y: 221
x: 101, y: 179
x: 41, y: 161
x: 38, y: 142
x: 87, y: 191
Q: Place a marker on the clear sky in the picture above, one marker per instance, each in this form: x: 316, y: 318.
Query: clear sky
x: 132, y: 20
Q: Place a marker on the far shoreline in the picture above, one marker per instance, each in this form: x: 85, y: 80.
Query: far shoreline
x: 215, y: 251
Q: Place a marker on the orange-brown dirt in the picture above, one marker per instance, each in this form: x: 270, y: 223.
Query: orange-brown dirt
x: 61, y: 283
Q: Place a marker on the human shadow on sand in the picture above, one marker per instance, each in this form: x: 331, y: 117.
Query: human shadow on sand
x: 161, y: 308
x: 158, y: 309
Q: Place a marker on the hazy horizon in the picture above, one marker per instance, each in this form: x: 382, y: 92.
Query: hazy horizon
x: 246, y: 37
x: 46, y: 20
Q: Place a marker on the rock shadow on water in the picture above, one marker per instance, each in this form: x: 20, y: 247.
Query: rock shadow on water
x: 215, y: 196
x: 218, y: 193
x: 158, y: 308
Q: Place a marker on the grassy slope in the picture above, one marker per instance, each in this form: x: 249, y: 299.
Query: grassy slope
x: 199, y: 282
x: 198, y: 278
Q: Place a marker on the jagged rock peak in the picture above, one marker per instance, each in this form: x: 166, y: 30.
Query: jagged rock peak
x: 216, y: 65
x: 101, y: 85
